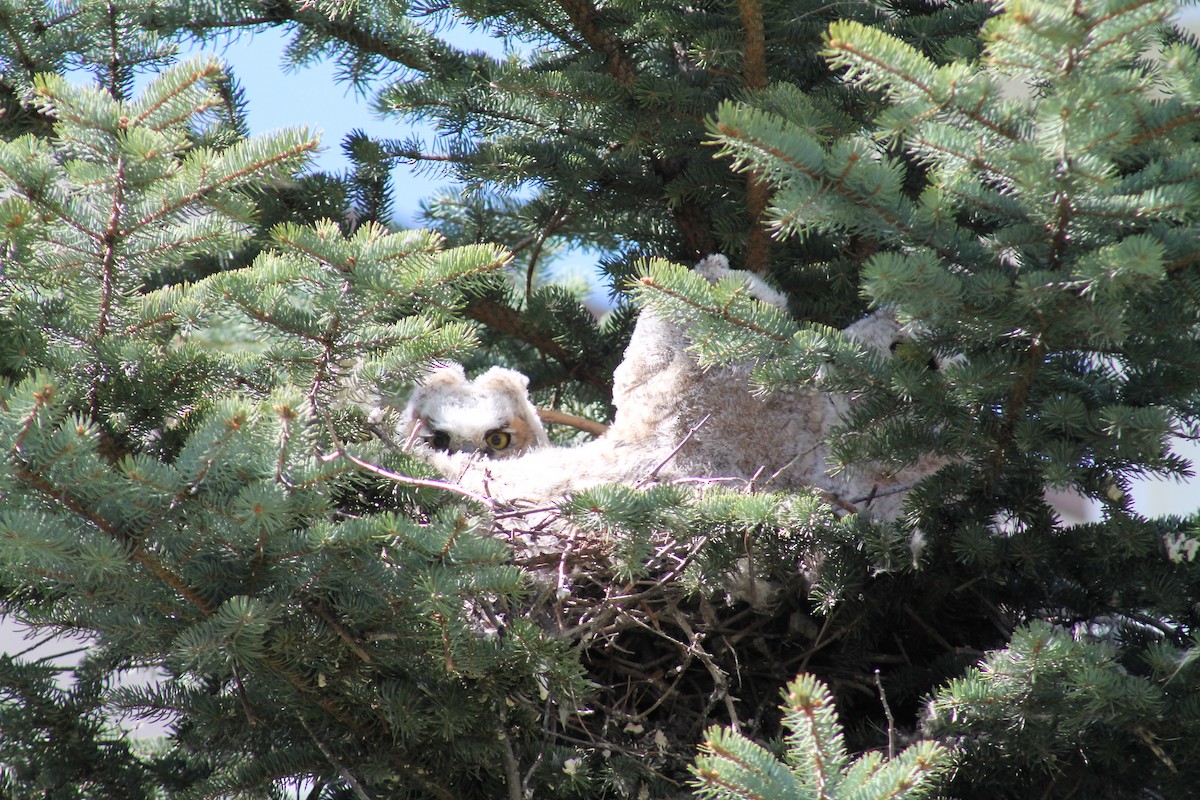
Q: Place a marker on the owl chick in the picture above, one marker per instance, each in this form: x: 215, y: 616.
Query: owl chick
x: 674, y: 421
x: 491, y: 415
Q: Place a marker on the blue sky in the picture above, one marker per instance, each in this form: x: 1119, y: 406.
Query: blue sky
x: 311, y: 96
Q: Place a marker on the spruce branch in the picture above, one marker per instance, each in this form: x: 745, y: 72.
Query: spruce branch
x: 724, y: 313
x: 249, y: 168
x: 346, y: 30
x: 744, y: 139
x: 1079, y: 374
x: 816, y: 763
x: 197, y: 73
x: 136, y: 546
x: 23, y: 49
x: 582, y: 14
x: 850, y: 43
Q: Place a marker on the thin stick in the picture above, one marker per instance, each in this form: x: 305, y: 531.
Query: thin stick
x: 251, y: 717
x: 411, y: 481
x: 840, y: 503
x: 654, y: 472
x: 887, y: 712
x: 345, y: 774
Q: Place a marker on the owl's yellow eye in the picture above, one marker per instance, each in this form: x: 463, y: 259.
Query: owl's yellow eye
x: 498, y: 440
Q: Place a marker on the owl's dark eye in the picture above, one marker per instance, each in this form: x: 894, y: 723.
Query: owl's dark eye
x: 933, y: 365
x: 498, y: 440
x: 440, y: 440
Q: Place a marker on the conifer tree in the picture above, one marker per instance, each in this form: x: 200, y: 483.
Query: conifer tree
x: 190, y: 333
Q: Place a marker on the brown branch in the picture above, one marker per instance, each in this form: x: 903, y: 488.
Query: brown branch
x: 572, y: 421
x: 341, y: 632
x: 754, y: 55
x: 758, y: 192
x: 582, y: 15
x: 507, y: 321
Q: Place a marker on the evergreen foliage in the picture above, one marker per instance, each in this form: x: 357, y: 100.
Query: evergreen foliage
x: 815, y: 763
x: 192, y: 335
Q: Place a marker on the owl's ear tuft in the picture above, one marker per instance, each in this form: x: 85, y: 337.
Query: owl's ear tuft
x: 527, y: 428
x: 500, y: 379
x: 879, y: 331
x: 443, y: 376
x: 713, y: 267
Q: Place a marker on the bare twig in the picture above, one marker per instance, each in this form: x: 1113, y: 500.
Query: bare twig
x: 408, y: 480
x: 719, y: 676
x: 557, y: 218
x: 243, y: 698
x: 345, y: 774
x: 887, y: 712
x: 654, y: 472
x: 839, y: 502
